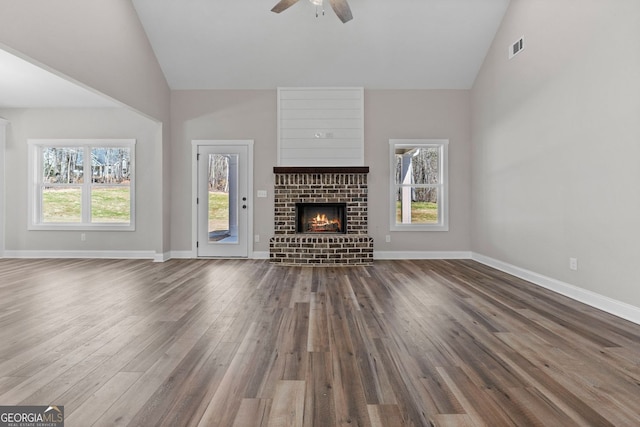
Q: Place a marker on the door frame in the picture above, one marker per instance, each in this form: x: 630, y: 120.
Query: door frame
x: 4, y: 123
x: 195, y: 144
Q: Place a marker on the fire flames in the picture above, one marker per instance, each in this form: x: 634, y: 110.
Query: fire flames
x: 321, y: 223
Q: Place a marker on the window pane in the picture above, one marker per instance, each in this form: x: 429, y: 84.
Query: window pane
x: 62, y: 165
x: 218, y: 216
x: 111, y: 204
x: 110, y: 165
x: 223, y: 198
x: 61, y: 204
x: 65, y: 196
x: 417, y: 165
x: 417, y: 205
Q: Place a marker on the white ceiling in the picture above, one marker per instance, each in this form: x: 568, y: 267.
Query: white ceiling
x: 241, y: 44
x: 25, y: 85
x: 390, y: 44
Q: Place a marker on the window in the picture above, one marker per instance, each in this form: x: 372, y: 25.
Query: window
x: 419, y: 185
x: 81, y: 184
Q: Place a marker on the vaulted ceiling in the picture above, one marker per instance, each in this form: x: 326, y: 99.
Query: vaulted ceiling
x: 241, y: 44
x: 27, y: 85
x: 398, y: 44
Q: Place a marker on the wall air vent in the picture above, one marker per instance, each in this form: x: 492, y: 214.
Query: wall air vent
x: 516, y: 47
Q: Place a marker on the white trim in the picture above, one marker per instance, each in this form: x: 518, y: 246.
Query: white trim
x: 391, y: 255
x: 82, y: 254
x: 260, y: 255
x: 194, y: 199
x: 380, y: 255
x: 189, y: 255
x: 34, y: 183
x: 3, y: 135
x: 195, y: 143
x: 601, y: 302
x: 250, y: 196
x: 162, y: 256
x: 181, y: 255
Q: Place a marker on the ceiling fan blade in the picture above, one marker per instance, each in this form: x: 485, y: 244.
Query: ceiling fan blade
x: 342, y: 9
x: 283, y: 5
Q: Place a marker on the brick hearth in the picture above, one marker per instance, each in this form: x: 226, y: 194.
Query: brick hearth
x: 321, y: 185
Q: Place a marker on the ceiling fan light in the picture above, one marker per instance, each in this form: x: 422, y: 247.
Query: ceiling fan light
x: 316, y: 2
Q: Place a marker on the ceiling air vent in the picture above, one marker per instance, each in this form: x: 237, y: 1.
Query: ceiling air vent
x: 516, y: 47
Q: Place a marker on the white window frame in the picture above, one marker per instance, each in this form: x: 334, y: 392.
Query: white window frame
x: 36, y: 184
x: 443, y: 186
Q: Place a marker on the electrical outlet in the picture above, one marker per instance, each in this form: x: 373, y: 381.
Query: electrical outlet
x: 83, y: 237
x: 573, y: 264
x: 387, y: 238
x: 256, y: 238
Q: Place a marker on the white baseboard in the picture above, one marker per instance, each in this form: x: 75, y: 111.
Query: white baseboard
x: 191, y: 255
x: 260, y: 255
x: 382, y: 255
x: 181, y: 255
x: 162, y: 257
x: 390, y: 255
x: 82, y: 254
x: 601, y: 302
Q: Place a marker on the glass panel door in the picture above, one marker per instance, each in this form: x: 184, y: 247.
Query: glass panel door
x: 222, y: 201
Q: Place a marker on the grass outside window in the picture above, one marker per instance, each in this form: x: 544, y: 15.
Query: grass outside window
x: 62, y: 204
x: 421, y: 212
x: 218, y: 211
x: 110, y: 204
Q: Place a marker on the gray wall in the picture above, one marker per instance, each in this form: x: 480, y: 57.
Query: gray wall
x: 101, y: 45
x: 219, y: 114
x: 81, y: 123
x: 556, y: 143
x: 225, y: 115
x: 414, y: 114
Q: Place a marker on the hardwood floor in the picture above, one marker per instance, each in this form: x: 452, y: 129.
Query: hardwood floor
x: 244, y: 343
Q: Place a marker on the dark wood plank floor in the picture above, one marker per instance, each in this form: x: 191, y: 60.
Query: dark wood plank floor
x: 244, y: 343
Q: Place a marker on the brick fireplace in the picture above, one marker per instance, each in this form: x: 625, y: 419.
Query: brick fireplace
x: 305, y: 186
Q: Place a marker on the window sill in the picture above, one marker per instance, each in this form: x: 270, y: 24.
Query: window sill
x: 414, y: 227
x: 80, y: 227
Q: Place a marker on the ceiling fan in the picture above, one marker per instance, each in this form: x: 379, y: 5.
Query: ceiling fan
x: 340, y: 7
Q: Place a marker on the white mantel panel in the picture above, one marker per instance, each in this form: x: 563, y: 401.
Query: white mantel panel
x: 320, y: 126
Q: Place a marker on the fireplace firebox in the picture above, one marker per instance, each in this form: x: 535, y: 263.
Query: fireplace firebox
x: 323, y: 218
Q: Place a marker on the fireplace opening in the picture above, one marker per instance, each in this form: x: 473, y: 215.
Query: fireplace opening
x: 321, y: 218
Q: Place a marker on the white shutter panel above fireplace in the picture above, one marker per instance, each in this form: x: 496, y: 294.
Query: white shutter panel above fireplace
x: 321, y: 126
